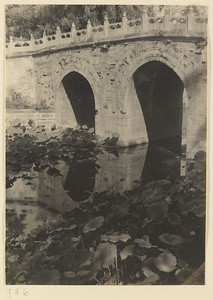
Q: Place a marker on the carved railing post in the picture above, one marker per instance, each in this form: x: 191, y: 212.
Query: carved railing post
x: 124, y: 24
x: 73, y: 32
x: 106, y: 27
x: 58, y: 34
x: 11, y: 44
x: 190, y: 20
x: 167, y: 26
x: 32, y: 40
x: 144, y: 20
x: 44, y: 37
x: 89, y: 29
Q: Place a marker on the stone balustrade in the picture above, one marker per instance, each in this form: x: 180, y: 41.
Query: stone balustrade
x: 166, y: 25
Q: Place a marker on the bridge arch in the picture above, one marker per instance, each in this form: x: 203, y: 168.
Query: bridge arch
x: 167, y: 55
x: 76, y: 68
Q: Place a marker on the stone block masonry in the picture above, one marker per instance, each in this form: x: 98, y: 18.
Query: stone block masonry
x: 108, y: 60
x: 40, y: 118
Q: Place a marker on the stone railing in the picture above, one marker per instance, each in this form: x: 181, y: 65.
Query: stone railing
x: 166, y: 25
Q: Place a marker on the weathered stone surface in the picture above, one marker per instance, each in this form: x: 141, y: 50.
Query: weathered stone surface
x: 110, y: 75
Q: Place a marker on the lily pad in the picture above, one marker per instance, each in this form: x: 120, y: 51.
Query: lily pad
x: 93, y: 224
x: 68, y: 131
x: 200, y: 210
x: 171, y: 239
x: 91, y: 130
x: 144, y: 242
x: 124, y: 237
x: 83, y: 273
x: 166, y: 262
x: 127, y: 251
x: 157, y: 211
x: 149, y: 267
x: 174, y: 218
x: 104, y: 255
x: 69, y: 274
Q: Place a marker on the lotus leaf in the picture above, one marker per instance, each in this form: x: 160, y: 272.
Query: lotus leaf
x: 69, y: 274
x: 174, y: 218
x: 149, y: 267
x: 41, y: 138
x: 113, y: 141
x: 144, y: 242
x: 87, y: 136
x: 166, y: 262
x: 126, y: 251
x: 104, y: 255
x: 93, y: 224
x: 68, y: 131
x: 91, y: 130
x: 171, y: 239
x: 187, y: 206
x: 157, y: 210
x: 200, y: 210
x: 83, y: 273
x: 116, y: 237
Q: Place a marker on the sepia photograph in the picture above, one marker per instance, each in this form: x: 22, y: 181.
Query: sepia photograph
x: 105, y: 144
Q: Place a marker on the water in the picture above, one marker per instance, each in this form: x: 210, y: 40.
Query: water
x: 119, y: 216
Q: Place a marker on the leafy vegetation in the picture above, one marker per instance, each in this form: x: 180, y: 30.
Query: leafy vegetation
x: 152, y: 234
x: 17, y: 101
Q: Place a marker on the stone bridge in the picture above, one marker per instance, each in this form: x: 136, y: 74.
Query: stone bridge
x: 143, y: 79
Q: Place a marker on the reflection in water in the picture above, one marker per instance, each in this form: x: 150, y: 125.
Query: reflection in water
x: 80, y: 225
x: 162, y: 159
x: 88, y: 174
x: 119, y: 173
x: 80, y: 179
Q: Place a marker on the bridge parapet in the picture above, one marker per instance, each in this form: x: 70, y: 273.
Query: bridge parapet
x: 167, y: 25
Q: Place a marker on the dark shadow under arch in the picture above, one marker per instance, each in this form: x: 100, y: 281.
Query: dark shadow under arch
x: 81, y: 97
x: 160, y: 93
x: 80, y: 179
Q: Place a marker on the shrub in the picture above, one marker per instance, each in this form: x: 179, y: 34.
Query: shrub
x: 42, y: 105
x: 17, y: 101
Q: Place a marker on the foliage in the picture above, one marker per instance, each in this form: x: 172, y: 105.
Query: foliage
x: 17, y: 101
x: 42, y: 105
x: 28, y: 145
x: 151, y: 240
x: 23, y: 20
